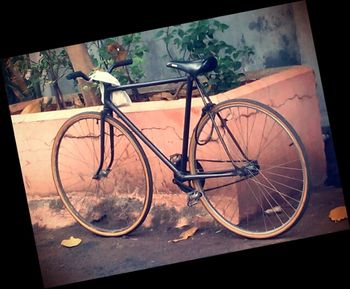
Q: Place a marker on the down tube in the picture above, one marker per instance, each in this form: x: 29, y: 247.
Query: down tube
x: 142, y: 136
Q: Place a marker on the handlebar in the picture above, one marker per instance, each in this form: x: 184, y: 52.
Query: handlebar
x: 81, y: 74
x: 76, y: 74
x: 120, y: 63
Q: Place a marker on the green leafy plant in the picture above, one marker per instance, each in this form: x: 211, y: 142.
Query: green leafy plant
x: 18, y: 74
x: 51, y: 67
x: 199, y: 40
x: 25, y: 76
x: 129, y: 46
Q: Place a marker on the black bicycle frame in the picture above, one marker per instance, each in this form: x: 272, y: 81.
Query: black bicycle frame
x: 180, y: 174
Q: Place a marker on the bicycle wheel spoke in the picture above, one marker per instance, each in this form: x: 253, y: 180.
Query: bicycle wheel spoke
x: 90, y: 137
x: 262, y: 135
x: 273, y: 188
x: 251, y: 128
x: 95, y: 153
x: 264, y: 189
x: 239, y: 129
x: 290, y: 187
x: 282, y: 166
x: 276, y: 204
x: 74, y: 158
x: 74, y: 139
x: 222, y: 141
x: 261, y: 208
x: 232, y: 138
x: 268, y: 143
x: 284, y: 176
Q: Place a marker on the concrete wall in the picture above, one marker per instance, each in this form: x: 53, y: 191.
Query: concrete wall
x: 271, y: 31
x: 307, y: 52
x: 291, y: 92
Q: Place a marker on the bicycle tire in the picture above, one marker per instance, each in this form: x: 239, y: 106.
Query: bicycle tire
x: 277, y: 210
x: 117, y: 203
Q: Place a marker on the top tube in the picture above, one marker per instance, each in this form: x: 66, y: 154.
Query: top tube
x: 147, y: 83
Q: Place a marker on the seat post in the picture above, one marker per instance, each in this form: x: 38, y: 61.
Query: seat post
x: 187, y: 119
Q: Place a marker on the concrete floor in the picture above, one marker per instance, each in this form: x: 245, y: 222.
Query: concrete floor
x: 149, y: 247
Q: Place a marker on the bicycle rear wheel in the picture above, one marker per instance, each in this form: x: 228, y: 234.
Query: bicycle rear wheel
x: 119, y: 200
x: 270, y: 197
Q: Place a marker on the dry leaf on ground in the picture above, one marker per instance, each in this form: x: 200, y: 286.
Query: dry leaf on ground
x: 71, y: 242
x: 182, y: 222
x: 338, y: 214
x: 185, y: 235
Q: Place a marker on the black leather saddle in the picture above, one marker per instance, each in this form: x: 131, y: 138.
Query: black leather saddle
x: 195, y: 67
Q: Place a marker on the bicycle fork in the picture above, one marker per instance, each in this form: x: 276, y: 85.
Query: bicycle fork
x: 100, y: 173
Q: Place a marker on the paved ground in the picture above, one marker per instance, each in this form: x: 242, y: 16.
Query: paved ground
x: 149, y: 247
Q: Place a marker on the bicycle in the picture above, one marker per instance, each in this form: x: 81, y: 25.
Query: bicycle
x: 259, y: 162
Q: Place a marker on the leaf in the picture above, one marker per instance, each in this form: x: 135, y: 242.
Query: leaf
x: 127, y: 39
x: 199, y: 45
x: 213, y: 81
x: 237, y: 65
x: 180, y: 32
x: 159, y: 33
x: 185, y: 235
x: 229, y: 50
x: 236, y: 54
x: 167, y: 38
x: 139, y: 53
x: 337, y: 214
x: 223, y: 27
x: 177, y: 42
x: 71, y: 242
x: 216, y: 23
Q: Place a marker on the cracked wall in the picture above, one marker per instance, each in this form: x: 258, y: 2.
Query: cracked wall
x: 291, y: 92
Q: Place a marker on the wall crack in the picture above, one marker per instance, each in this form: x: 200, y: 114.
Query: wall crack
x: 300, y: 97
x: 165, y: 128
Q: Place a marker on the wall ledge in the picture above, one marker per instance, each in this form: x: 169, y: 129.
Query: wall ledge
x: 266, y: 81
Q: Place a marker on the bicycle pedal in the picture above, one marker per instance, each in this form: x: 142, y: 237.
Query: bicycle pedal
x: 191, y: 203
x: 193, y: 198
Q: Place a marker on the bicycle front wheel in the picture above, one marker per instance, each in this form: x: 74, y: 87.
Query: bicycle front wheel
x: 271, y: 192
x: 119, y: 199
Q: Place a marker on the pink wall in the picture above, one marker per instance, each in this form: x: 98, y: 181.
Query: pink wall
x: 291, y: 92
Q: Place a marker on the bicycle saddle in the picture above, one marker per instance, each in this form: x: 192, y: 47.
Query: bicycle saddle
x: 195, y: 67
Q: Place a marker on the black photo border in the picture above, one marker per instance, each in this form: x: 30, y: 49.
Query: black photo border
x: 17, y: 37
